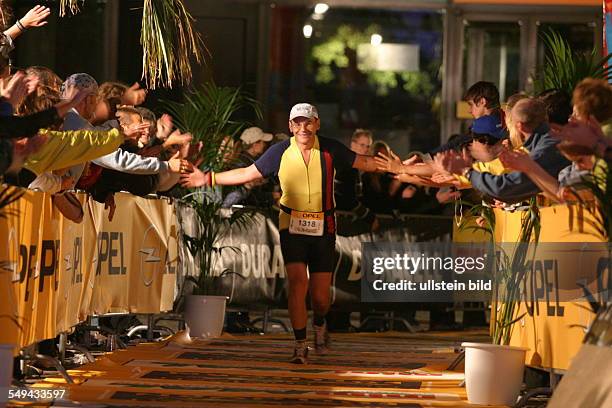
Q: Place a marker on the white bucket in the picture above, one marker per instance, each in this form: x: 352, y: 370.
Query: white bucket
x: 6, y: 371
x: 204, y: 315
x: 493, y: 373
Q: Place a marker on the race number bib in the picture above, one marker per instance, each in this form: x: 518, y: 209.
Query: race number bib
x: 306, y: 223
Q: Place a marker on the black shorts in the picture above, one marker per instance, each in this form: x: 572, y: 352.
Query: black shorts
x: 319, y: 253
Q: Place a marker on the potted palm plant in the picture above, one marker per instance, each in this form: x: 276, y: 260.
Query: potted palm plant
x: 209, y: 115
x: 205, y: 307
x: 484, y: 362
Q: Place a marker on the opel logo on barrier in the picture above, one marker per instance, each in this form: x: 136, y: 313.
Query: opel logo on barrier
x: 150, y: 254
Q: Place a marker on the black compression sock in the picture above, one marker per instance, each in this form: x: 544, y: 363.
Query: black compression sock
x: 318, y: 320
x: 300, y: 334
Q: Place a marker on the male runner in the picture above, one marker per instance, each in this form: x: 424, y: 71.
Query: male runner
x: 305, y: 165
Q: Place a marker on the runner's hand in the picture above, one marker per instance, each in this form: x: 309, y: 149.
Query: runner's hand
x: 389, y: 164
x: 195, y: 178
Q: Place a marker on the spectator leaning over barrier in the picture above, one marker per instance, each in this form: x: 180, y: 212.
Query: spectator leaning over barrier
x: 78, y: 143
x: 529, y: 120
x: 593, y: 98
x: 564, y: 188
x: 483, y: 100
x: 113, y: 94
x: 487, y: 142
x: 559, y: 110
x: 45, y: 94
x: 162, y: 141
x: 584, y: 143
x: 558, y: 106
x: 111, y: 181
x: 120, y: 160
x: 305, y: 166
x: 35, y: 17
x: 20, y: 135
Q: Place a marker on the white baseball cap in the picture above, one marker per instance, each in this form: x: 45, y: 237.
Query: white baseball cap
x: 255, y: 134
x: 305, y: 110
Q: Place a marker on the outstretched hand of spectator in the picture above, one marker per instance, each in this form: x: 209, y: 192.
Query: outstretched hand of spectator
x: 445, y: 179
x: 414, y: 159
x: 134, y: 95
x: 417, y: 180
x: 516, y: 160
x: 176, y: 164
x: 587, y: 134
x: 390, y: 163
x: 194, y: 177
x: 36, y: 17
x: 194, y: 153
x: 451, y: 162
x: 135, y: 130
x: 15, y: 91
x: 178, y: 138
x: 24, y: 147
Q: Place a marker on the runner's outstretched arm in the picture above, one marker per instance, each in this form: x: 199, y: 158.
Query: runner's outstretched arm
x: 237, y: 176
x: 194, y: 177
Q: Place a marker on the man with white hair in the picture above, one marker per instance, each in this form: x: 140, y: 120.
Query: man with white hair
x: 80, y: 116
x: 305, y: 166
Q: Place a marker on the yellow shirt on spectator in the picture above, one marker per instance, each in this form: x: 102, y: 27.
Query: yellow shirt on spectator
x: 68, y: 148
x: 494, y: 167
x: 606, y: 128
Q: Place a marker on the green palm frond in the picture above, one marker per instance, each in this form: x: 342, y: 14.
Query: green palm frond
x: 209, y: 114
x: 564, y: 68
x: 601, y: 187
x: 478, y: 210
x: 511, y: 274
x: 71, y: 5
x: 8, y: 195
x: 168, y: 42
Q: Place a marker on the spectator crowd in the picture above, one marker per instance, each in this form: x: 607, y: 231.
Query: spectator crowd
x: 58, y: 136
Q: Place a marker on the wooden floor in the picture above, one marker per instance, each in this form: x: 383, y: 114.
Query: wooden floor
x: 363, y: 370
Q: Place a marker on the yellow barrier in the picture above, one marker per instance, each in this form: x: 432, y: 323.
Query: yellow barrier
x: 553, y: 331
x: 54, y: 273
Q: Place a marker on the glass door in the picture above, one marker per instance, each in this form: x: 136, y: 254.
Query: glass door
x: 492, y: 52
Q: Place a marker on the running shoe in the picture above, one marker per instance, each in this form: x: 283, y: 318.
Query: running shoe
x: 300, y: 352
x: 322, y: 340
